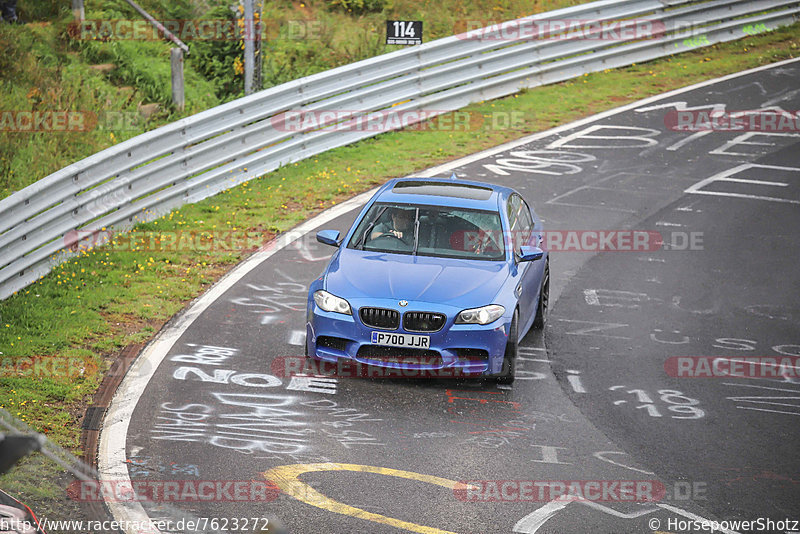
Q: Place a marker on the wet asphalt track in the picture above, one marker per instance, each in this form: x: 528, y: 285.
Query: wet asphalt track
x: 596, y: 404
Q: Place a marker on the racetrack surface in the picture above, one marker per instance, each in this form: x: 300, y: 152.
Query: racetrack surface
x: 595, y: 404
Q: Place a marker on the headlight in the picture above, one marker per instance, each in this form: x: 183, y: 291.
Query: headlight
x: 484, y: 315
x: 331, y: 303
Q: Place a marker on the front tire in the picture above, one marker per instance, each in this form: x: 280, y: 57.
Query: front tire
x: 506, y: 376
x: 544, y: 300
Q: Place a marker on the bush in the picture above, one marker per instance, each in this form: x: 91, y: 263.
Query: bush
x: 215, y: 60
x: 43, y: 10
x: 358, y: 7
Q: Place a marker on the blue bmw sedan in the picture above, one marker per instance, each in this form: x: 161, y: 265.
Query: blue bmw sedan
x: 435, y: 275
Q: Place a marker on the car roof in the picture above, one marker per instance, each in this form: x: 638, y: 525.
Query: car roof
x: 443, y: 192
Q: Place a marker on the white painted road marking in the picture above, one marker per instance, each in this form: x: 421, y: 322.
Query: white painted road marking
x: 726, y: 176
x: 641, y: 139
x: 614, y: 298
x: 297, y: 337
x: 743, y: 139
x: 532, y: 522
x: 600, y: 456
x: 315, y: 384
x: 575, y: 381
x: 590, y: 330
x: 550, y: 455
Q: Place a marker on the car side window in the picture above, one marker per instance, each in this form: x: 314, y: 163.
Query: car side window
x: 513, y: 202
x: 513, y: 222
x: 525, y: 222
x: 519, y: 221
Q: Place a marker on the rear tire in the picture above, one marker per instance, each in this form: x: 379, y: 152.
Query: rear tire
x: 506, y: 376
x: 544, y: 300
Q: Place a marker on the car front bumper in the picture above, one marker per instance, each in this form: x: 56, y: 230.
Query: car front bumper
x: 456, y: 349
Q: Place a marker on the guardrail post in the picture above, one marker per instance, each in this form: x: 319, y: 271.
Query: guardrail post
x: 176, y: 62
x: 77, y: 10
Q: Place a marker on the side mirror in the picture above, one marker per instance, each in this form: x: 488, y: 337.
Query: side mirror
x: 328, y: 237
x: 530, y: 253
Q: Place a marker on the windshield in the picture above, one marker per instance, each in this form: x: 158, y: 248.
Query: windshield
x: 430, y: 231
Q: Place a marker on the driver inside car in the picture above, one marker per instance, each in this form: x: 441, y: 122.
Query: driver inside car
x: 400, y: 225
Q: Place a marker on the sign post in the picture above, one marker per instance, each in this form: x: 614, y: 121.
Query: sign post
x: 403, y: 32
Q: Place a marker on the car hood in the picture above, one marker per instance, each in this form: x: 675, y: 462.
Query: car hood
x: 460, y: 283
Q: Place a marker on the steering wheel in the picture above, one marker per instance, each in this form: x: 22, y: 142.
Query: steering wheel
x: 389, y: 234
x: 395, y: 244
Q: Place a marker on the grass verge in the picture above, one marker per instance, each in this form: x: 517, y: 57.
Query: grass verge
x: 74, y: 321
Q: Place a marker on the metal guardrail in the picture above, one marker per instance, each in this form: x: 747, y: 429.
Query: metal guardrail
x: 197, y: 157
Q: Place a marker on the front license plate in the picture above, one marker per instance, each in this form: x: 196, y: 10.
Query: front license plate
x: 401, y: 340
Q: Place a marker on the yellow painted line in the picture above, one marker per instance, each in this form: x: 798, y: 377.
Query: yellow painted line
x: 286, y: 477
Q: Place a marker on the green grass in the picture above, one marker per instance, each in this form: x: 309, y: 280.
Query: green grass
x: 89, y: 308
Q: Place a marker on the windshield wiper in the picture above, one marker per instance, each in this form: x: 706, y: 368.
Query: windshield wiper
x: 363, y: 239
x: 416, y: 232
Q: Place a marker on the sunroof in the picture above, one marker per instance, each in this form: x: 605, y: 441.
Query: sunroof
x: 442, y: 189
